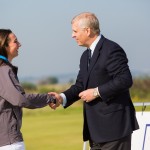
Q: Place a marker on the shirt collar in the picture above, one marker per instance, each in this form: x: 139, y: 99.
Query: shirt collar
x: 93, y: 45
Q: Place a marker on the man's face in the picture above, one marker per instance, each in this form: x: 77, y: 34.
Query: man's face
x: 79, y: 34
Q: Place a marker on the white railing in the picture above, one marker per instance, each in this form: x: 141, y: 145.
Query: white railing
x: 142, y: 104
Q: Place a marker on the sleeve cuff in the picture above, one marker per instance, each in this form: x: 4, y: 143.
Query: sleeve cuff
x: 64, y: 99
x: 98, y: 91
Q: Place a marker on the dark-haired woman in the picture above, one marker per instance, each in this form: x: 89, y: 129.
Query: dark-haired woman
x: 13, y: 96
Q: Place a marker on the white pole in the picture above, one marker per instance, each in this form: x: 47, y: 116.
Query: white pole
x: 85, y: 145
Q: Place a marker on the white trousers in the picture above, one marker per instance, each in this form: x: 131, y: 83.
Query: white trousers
x: 14, y: 146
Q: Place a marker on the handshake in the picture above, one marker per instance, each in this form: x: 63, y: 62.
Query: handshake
x: 56, y: 100
x: 86, y: 95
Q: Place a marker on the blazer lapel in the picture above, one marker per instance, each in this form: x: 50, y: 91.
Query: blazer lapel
x: 95, y: 56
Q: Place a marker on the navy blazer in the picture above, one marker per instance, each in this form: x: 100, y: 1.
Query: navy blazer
x: 111, y: 116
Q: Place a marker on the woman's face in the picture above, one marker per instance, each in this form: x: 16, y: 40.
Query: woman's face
x: 13, y: 46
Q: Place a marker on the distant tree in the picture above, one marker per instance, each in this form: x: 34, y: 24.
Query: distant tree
x: 48, y: 80
x: 53, y: 80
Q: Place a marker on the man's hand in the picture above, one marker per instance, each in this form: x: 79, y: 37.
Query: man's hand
x: 58, y: 99
x: 87, y: 95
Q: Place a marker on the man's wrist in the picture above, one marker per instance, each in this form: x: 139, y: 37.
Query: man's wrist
x: 96, y: 93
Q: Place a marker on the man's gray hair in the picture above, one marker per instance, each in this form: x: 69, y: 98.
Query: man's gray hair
x: 88, y: 20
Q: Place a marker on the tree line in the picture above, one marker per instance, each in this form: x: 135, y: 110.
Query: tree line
x: 140, y: 90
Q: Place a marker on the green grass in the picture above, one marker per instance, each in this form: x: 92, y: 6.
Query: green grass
x: 46, y: 129
x: 61, y: 129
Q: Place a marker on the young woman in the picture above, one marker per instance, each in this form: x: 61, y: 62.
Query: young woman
x: 13, y: 96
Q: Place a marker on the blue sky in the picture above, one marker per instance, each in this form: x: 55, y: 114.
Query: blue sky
x: 44, y: 30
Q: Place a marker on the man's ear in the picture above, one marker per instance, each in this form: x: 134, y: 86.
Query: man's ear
x: 88, y: 30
